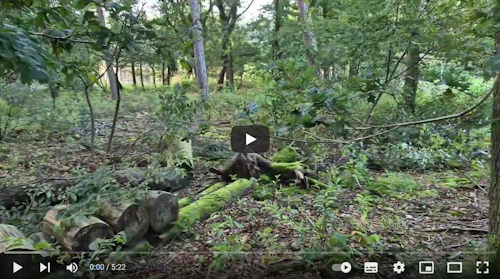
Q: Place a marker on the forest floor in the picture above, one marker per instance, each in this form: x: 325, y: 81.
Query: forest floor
x: 433, y: 215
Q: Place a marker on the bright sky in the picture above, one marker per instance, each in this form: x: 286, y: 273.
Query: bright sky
x: 252, y: 12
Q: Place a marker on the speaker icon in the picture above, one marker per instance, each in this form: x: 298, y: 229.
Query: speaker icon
x: 73, y: 267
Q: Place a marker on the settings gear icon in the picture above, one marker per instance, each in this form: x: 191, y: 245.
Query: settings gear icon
x: 399, y: 267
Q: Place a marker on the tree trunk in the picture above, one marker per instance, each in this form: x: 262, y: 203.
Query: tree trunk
x: 411, y: 79
x: 230, y: 70
x: 222, y: 74
x: 327, y: 72
x: 277, y: 27
x: 163, y: 72
x: 353, y: 69
x: 494, y: 191
x: 199, y: 51
x: 154, y: 74
x: 169, y: 74
x: 309, y: 38
x: 134, y: 79
x: 141, y: 75
x: 111, y: 75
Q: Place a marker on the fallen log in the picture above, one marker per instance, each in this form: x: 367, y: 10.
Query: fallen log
x: 79, y: 234
x: 163, y: 210
x: 131, y: 218
x: 187, y: 200
x: 206, y: 205
x: 12, y: 196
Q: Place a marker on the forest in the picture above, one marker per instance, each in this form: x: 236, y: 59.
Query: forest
x: 117, y: 155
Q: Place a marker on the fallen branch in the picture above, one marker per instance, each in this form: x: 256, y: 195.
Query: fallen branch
x: 472, y: 230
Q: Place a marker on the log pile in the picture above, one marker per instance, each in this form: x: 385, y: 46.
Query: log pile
x: 162, y: 213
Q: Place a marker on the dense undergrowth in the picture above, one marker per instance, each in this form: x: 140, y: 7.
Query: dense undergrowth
x: 405, y: 164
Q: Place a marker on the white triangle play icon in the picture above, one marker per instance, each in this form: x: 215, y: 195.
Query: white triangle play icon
x: 249, y: 139
x: 16, y: 267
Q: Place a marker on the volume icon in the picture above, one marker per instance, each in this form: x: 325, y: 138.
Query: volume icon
x: 73, y: 267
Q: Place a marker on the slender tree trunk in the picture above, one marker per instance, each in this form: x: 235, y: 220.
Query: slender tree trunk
x: 163, y: 72
x: 411, y: 79
x: 309, y: 38
x: 92, y: 121
x: 327, y: 73
x: 111, y: 75
x: 154, y: 74
x: 169, y: 74
x: 134, y: 78
x: 277, y: 27
x: 222, y: 74
x: 230, y: 70
x: 494, y: 190
x: 199, y: 51
x: 141, y: 75
x: 353, y: 69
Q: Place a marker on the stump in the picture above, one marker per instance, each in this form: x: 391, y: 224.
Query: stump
x: 82, y: 231
x: 131, y: 218
x: 163, y: 209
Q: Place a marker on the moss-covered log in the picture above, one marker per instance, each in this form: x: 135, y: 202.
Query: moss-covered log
x: 131, y: 218
x: 163, y: 210
x: 206, y: 205
x: 187, y: 200
x: 78, y: 235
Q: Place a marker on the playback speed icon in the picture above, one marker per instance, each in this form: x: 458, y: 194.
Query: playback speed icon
x: 345, y: 267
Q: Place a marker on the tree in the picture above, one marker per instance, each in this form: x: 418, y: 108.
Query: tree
x: 113, y: 84
x: 228, y: 21
x: 199, y: 51
x: 309, y: 38
x: 494, y: 191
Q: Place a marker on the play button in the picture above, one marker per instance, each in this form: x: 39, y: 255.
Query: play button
x: 16, y: 267
x: 250, y: 139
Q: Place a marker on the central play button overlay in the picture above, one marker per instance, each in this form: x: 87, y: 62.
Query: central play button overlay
x: 250, y: 139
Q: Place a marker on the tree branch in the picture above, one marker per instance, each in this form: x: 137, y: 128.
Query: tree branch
x: 238, y: 16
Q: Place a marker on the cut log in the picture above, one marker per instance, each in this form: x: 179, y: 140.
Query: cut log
x: 163, y: 210
x: 78, y: 235
x: 9, y: 231
x: 131, y: 218
x: 187, y: 200
x: 207, y: 205
x: 18, y: 243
